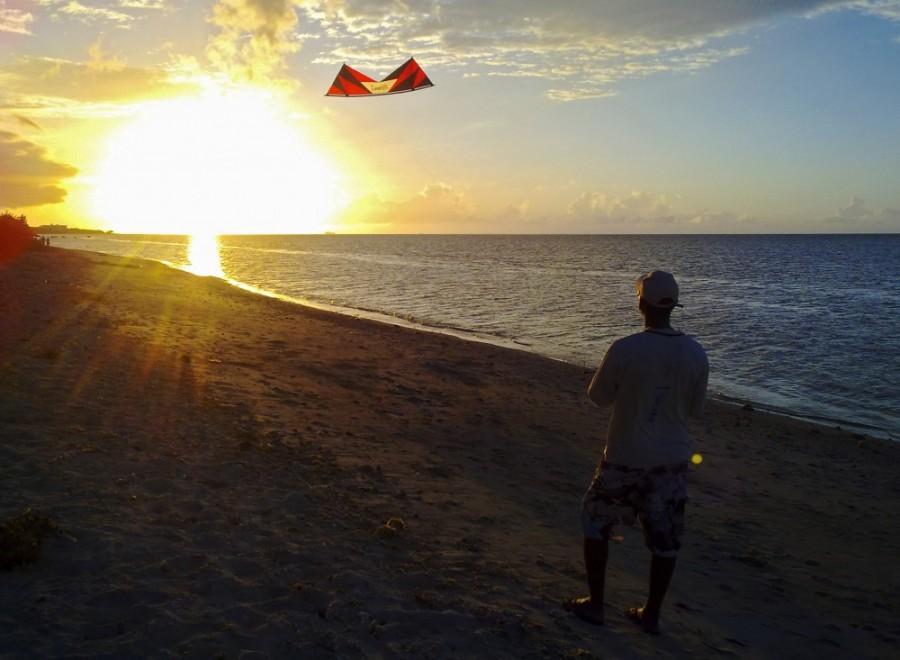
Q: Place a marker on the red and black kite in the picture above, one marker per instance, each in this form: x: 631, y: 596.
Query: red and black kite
x: 407, y: 78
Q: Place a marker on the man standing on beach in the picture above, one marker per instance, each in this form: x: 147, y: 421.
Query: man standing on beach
x: 654, y: 380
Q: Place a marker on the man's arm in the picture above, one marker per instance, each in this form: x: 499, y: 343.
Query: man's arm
x: 605, y: 383
x: 698, y: 396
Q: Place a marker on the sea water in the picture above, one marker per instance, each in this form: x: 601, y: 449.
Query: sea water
x: 805, y: 325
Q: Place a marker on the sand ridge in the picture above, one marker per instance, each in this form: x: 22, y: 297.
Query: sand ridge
x: 221, y: 466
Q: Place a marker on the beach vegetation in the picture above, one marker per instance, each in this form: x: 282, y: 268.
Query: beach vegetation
x: 21, y: 536
x: 15, y: 236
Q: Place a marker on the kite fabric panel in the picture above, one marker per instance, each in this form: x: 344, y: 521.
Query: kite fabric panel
x: 408, y: 77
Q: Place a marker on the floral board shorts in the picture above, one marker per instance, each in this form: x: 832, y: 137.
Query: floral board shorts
x: 654, y: 496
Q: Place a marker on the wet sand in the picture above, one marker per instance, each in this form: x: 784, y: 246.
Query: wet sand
x: 221, y: 466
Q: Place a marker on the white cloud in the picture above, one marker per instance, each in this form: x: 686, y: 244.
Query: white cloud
x: 16, y: 21
x: 115, y: 12
x: 886, y: 9
x: 441, y: 208
x: 437, y: 208
x: 93, y: 13
x: 100, y: 61
x: 254, y: 37
x: 859, y: 217
x: 642, y: 212
x: 583, y: 48
x: 143, y: 4
x: 717, y: 221
x: 636, y: 206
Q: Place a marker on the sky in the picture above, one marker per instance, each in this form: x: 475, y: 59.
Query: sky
x: 581, y: 116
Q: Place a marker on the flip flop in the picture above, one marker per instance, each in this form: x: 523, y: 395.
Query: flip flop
x: 579, y: 607
x: 636, y: 615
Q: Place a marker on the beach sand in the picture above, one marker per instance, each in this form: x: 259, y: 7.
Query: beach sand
x: 221, y: 466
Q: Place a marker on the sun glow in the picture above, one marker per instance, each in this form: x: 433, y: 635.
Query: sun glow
x: 228, y: 161
x: 203, y: 255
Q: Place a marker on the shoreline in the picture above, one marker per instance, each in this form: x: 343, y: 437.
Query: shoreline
x: 234, y: 475
x: 469, y: 335
x: 512, y: 344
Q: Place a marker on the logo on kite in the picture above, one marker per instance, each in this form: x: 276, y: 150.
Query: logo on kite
x: 407, y: 78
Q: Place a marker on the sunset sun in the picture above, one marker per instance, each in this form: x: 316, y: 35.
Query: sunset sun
x: 226, y: 162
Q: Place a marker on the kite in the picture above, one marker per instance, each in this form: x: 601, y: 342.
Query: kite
x: 408, y: 77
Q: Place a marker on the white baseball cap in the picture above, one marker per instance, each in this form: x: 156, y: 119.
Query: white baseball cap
x: 658, y: 289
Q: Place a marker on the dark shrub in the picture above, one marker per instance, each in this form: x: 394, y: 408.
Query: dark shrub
x: 15, y: 236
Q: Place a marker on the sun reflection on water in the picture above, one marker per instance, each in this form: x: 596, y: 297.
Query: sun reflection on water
x: 203, y: 255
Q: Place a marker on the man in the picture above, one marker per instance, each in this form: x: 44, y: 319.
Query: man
x: 654, y: 380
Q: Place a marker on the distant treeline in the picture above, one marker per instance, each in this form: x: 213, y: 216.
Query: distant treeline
x: 65, y: 229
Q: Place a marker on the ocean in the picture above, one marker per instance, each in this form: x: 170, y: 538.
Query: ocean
x: 799, y: 324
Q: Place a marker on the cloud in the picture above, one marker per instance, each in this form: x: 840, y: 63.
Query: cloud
x: 517, y: 211
x: 56, y: 87
x: 442, y: 208
x: 29, y: 177
x: 89, y: 14
x: 27, y: 122
x: 642, y: 211
x: 717, y: 221
x: 16, y: 21
x: 437, y: 208
x: 123, y: 14
x: 885, y: 9
x: 254, y: 37
x: 583, y: 48
x: 144, y: 4
x: 859, y: 217
x: 100, y: 61
x: 610, y: 209
x: 855, y: 210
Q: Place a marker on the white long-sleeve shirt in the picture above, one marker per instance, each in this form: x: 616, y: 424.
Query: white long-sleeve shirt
x: 654, y: 381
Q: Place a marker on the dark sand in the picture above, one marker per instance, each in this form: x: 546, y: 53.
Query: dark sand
x: 220, y: 466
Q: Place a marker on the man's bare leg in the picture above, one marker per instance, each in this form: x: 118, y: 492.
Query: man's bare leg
x: 661, y: 571
x: 596, y: 554
x: 591, y: 608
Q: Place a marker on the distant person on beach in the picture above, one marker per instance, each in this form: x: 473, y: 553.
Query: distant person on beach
x: 654, y: 380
